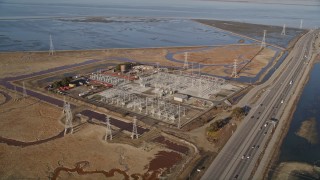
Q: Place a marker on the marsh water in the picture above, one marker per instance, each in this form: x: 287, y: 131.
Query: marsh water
x: 297, y: 148
x: 26, y: 24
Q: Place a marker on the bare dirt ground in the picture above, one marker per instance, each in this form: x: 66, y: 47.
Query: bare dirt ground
x: 222, y: 54
x: 30, y: 120
x: 198, y: 136
x: 2, y: 98
x: 219, y: 56
x: 18, y: 63
x: 37, y: 161
x: 249, y: 57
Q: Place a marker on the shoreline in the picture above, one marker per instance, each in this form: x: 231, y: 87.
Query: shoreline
x: 137, y: 48
x: 276, y: 152
x: 273, y: 155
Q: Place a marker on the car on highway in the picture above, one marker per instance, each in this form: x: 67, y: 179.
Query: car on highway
x: 253, y: 146
x: 248, y: 157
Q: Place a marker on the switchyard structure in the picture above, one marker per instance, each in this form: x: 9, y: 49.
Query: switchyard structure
x: 183, y: 82
x: 155, y: 93
x: 173, y: 97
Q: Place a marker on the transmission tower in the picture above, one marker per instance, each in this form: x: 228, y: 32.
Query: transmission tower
x: 283, y: 33
x: 24, y: 91
x: 179, y: 120
x: 15, y: 93
x: 134, y: 133
x: 186, y: 64
x: 192, y: 68
x: 263, y: 42
x: 64, y: 101
x: 108, y: 130
x: 51, y: 50
x: 69, y: 117
x: 199, y: 87
x: 235, y: 66
x: 301, y: 23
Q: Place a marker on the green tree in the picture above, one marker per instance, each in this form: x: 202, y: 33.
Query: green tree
x: 238, y: 112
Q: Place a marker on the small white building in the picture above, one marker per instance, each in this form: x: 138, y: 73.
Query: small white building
x: 180, y: 97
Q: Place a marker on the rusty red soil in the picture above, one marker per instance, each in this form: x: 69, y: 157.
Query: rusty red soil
x: 12, y: 142
x: 79, y: 166
x: 171, y: 145
x: 163, y: 160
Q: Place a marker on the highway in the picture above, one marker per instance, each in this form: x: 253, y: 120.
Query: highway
x: 241, y: 153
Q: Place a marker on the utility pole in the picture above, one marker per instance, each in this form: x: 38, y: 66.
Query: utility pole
x: 108, y: 130
x: 179, y: 120
x: 24, y: 90
x: 263, y: 42
x: 51, y: 50
x: 134, y: 133
x: 283, y: 33
x: 235, y: 66
x: 186, y: 64
x: 301, y: 23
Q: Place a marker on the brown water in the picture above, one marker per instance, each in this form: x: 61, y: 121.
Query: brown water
x: 12, y: 142
x: 79, y: 168
x: 171, y: 145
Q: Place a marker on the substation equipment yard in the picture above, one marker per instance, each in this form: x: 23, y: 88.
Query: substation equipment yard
x: 172, y: 97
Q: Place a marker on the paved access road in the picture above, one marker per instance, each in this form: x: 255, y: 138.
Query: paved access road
x: 241, y: 153
x: 7, y: 82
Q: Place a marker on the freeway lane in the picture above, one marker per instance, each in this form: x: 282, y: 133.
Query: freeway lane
x: 257, y: 126
x: 280, y: 92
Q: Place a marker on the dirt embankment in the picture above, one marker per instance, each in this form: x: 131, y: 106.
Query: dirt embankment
x: 308, y: 131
